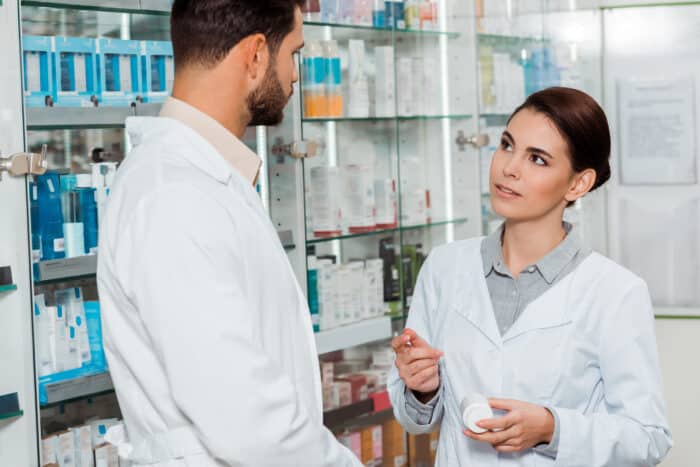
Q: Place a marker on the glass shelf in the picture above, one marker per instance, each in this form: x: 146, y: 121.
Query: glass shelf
x: 497, y: 40
x: 64, y: 118
x: 416, y: 32
x: 7, y: 288
x: 405, y: 228
x: 155, y: 7
x: 377, y: 119
x: 7, y: 416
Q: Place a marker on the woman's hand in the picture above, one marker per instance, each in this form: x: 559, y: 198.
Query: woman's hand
x: 417, y: 363
x: 523, y: 427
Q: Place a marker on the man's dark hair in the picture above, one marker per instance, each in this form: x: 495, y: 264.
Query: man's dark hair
x: 203, y: 32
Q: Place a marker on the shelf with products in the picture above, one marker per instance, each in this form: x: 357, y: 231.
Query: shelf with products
x: 59, y: 392
x: 502, y: 40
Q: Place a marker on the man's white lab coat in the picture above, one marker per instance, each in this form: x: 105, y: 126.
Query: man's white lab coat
x: 206, y: 331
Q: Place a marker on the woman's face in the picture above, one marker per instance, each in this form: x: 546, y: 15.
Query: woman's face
x: 531, y: 172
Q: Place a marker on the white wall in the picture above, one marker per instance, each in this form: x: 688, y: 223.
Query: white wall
x: 679, y: 348
x: 18, y: 437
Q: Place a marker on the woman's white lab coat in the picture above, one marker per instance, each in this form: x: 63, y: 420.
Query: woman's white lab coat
x: 586, y: 348
x: 207, y: 334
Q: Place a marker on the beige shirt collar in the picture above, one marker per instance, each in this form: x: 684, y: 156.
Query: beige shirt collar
x: 245, y: 161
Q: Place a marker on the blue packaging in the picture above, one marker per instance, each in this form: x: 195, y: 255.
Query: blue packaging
x: 119, y: 79
x: 379, y: 18
x: 88, y: 207
x: 75, y: 71
x: 157, y: 70
x: 50, y: 216
x: 34, y: 219
x: 394, y: 15
x: 98, y: 363
x: 38, y: 78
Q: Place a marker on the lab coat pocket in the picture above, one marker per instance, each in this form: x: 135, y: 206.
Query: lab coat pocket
x: 537, y: 360
x: 543, y: 461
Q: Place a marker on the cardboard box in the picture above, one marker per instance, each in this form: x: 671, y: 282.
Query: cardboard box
x: 344, y: 393
x: 48, y: 451
x: 394, y: 445
x: 327, y: 369
x: 358, y: 386
x: 422, y: 449
x: 372, y: 446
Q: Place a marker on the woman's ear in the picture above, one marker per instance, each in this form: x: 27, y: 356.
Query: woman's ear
x: 581, y: 184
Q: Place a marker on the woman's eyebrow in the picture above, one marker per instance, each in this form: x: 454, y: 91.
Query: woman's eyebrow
x: 507, y: 135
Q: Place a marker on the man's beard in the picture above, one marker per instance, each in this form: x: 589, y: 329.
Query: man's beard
x: 266, y: 104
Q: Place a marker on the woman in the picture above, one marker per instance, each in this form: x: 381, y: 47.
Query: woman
x: 559, y: 337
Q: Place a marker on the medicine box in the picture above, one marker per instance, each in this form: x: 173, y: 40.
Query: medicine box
x: 157, y: 70
x: 75, y: 71
x: 38, y: 79
x: 119, y: 79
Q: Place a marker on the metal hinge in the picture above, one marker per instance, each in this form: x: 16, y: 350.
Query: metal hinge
x: 478, y: 141
x: 24, y: 163
x: 297, y: 149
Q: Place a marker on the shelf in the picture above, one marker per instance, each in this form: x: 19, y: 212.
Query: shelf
x: 499, y: 40
x: 315, y: 240
x: 158, y: 7
x: 77, y: 388
x: 68, y: 268
x: 63, y: 118
x: 408, y: 32
x: 335, y: 418
x: 676, y: 313
x: 7, y: 288
x: 363, y: 332
x: 380, y: 119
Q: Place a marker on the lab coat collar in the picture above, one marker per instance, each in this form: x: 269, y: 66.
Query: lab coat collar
x: 232, y: 149
x: 547, y: 311
x: 550, y: 266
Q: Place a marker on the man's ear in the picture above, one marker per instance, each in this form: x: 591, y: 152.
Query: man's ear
x: 256, y: 55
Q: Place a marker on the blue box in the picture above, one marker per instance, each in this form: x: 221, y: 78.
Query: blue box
x: 157, y: 70
x: 118, y: 76
x: 75, y: 71
x: 38, y: 79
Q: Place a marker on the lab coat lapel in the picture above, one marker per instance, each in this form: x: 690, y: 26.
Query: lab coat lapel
x: 547, y: 311
x: 474, y: 302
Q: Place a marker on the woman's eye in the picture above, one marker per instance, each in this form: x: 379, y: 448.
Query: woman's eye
x: 506, y: 145
x: 538, y: 160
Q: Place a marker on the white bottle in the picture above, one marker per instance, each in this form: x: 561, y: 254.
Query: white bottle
x: 475, y: 408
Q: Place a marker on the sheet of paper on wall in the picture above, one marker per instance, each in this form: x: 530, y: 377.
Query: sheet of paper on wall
x: 657, y: 130
x: 660, y: 241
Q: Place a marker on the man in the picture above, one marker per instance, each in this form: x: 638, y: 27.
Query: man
x: 207, y: 334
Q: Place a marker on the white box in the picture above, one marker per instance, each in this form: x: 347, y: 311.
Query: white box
x: 406, y: 100
x: 65, y: 451
x: 83, y: 446
x: 48, y: 451
x: 384, y: 83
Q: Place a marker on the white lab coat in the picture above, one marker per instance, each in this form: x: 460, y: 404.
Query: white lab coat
x: 586, y: 348
x: 206, y: 331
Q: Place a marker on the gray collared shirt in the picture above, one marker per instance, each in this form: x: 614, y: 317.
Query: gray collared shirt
x: 511, y: 296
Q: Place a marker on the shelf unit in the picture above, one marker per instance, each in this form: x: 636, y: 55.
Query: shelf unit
x: 77, y: 388
x: 352, y: 335
x: 316, y: 240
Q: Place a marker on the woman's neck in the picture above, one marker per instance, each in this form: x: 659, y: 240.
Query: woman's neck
x: 525, y: 243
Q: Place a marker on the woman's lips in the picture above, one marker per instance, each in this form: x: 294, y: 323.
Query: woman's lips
x: 506, y: 192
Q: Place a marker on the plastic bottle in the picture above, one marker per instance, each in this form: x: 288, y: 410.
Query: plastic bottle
x: 334, y: 80
x: 315, y: 104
